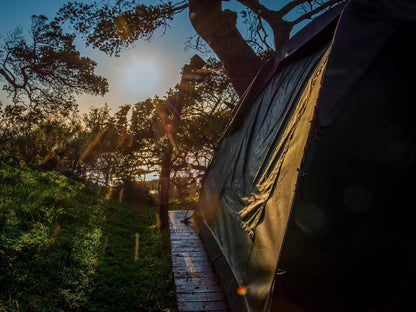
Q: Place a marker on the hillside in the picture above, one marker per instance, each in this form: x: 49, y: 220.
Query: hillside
x: 65, y: 247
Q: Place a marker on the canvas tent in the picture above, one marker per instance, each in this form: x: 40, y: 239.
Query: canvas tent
x: 308, y: 201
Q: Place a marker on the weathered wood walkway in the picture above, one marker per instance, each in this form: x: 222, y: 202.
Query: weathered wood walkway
x: 197, y: 288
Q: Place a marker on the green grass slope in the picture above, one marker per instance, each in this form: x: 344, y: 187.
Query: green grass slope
x: 64, y: 247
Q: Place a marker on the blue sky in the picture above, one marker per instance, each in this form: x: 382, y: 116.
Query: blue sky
x: 159, y: 60
x: 148, y: 69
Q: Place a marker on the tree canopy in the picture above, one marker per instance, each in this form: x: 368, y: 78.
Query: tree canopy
x: 114, y: 25
x: 45, y: 73
x: 115, y: 149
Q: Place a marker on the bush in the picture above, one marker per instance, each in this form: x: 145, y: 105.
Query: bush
x: 64, y: 247
x: 133, y: 192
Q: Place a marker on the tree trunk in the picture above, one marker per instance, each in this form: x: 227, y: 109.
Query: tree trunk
x: 281, y: 32
x: 218, y: 29
x: 177, y: 103
x: 164, y: 187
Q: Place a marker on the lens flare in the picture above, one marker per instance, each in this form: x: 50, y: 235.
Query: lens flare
x: 163, y: 115
x: 122, y: 26
x: 173, y: 143
x: 242, y: 290
x: 92, y: 145
x: 173, y: 108
x: 168, y: 127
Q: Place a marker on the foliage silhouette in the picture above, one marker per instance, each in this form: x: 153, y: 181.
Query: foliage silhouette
x: 112, y: 26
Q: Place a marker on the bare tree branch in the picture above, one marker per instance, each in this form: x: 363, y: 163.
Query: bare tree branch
x: 318, y: 9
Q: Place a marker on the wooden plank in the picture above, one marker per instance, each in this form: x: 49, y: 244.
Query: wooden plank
x: 192, y: 267
x: 192, y: 263
x: 188, y: 254
x: 199, y: 274
x: 197, y: 283
x: 197, y: 287
x: 180, y: 258
x: 184, y: 234
x: 192, y: 256
x: 202, y: 297
x: 179, y: 236
x: 185, y: 248
x: 203, y: 270
x: 187, y: 241
x: 199, y: 306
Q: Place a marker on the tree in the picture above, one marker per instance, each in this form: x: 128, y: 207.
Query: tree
x: 190, y: 120
x: 41, y: 74
x: 203, y: 119
x: 53, y: 143
x: 116, y: 150
x: 98, y: 138
x: 114, y: 25
x: 176, y: 135
x: 44, y: 75
x: 175, y: 103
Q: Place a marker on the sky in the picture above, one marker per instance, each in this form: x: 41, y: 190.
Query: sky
x: 145, y: 70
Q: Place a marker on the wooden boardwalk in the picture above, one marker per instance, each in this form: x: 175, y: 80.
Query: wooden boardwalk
x: 197, y: 288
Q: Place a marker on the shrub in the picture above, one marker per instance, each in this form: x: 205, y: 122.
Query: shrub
x: 133, y: 192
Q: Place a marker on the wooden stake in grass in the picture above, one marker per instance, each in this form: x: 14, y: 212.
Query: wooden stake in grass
x: 157, y: 221
x: 136, y: 249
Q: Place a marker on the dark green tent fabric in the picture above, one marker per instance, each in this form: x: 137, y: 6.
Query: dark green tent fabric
x: 351, y: 240
x: 253, y: 188
x: 305, y: 178
x: 367, y: 26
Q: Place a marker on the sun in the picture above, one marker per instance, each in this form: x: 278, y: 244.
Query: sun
x: 142, y: 78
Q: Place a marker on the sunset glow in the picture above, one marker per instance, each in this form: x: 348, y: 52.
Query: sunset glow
x: 142, y: 78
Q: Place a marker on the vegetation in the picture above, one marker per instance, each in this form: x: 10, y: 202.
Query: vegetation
x: 67, y: 243
x: 65, y: 247
x: 174, y: 136
x: 42, y: 75
x: 114, y: 25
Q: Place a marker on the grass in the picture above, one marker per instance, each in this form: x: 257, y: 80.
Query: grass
x: 65, y: 247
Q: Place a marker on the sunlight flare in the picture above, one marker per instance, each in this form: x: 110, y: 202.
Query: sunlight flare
x: 142, y: 77
x: 242, y: 290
